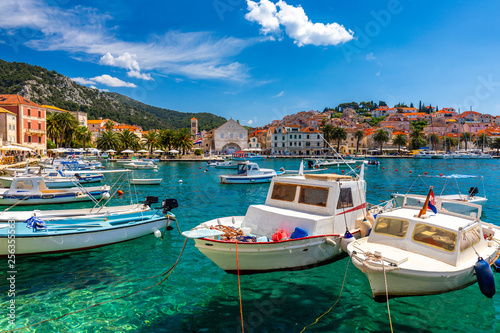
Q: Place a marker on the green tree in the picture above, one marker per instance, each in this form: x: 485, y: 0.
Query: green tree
x: 53, y: 130
x: 495, y: 144
x: 482, y: 140
x: 151, y: 140
x: 167, y: 138
x: 466, y: 137
x: 108, y: 140
x: 327, y: 134
x: 399, y: 140
x: 183, y: 140
x: 358, y: 135
x: 449, y: 142
x: 128, y: 140
x: 434, y: 139
x: 417, y: 136
x: 339, y: 134
x: 109, y: 125
x: 381, y: 137
x: 374, y: 122
x: 83, y: 135
x: 67, y: 124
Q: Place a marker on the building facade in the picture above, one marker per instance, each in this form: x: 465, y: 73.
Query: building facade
x: 294, y: 140
x: 230, y: 137
x: 8, y: 125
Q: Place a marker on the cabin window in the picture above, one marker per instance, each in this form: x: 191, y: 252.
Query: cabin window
x: 435, y: 237
x: 285, y: 192
x: 313, y: 195
x: 345, y: 198
x: 470, y: 238
x: 392, y: 227
x: 24, y: 185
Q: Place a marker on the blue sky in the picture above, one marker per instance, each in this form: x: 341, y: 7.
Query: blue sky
x: 260, y: 60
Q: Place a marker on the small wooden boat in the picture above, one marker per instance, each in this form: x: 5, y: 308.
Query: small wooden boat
x: 300, y: 226
x: 411, y: 252
x: 31, y: 190
x: 146, y: 181
x: 48, y: 235
x: 250, y: 173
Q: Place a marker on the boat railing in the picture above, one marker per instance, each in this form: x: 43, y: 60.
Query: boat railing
x: 445, y: 206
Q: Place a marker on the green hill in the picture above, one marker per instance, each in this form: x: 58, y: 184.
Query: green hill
x: 48, y: 87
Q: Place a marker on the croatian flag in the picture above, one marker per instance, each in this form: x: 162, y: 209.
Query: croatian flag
x: 198, y: 134
x: 432, y: 202
x: 197, y: 142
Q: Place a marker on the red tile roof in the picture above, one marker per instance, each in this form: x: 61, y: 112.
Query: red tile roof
x: 16, y: 99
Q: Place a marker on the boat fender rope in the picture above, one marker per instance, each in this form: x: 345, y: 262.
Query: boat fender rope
x: 387, y: 298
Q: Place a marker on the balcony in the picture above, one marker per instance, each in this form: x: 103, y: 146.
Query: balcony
x: 33, y: 131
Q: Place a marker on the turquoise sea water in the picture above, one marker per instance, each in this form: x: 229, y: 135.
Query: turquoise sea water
x: 200, y: 297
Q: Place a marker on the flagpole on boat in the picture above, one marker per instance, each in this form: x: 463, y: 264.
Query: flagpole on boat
x: 424, y: 209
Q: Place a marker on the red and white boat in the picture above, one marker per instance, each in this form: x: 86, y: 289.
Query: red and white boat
x: 301, y: 225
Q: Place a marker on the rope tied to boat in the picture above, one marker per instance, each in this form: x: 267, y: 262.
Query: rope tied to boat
x: 338, y: 299
x: 387, y: 298
x: 373, y: 263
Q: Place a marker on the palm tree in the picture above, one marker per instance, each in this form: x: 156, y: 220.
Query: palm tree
x: 183, y: 140
x: 167, y: 138
x: 152, y: 140
x: 67, y: 123
x: 416, y: 136
x: 381, y: 137
x: 483, y: 140
x: 466, y: 137
x: 109, y: 125
x: 53, y: 130
x: 83, y: 134
x: 449, y: 142
x: 496, y: 144
x: 108, y: 140
x: 359, y: 135
x: 128, y: 140
x: 434, y: 139
x: 327, y: 134
x: 339, y: 134
x: 400, y: 140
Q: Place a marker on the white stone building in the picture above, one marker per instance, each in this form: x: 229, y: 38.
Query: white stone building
x: 294, y: 140
x: 230, y: 137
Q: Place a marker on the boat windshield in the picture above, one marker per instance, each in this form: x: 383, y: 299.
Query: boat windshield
x: 470, y: 238
x: 392, y: 227
x: 24, y: 185
x: 435, y: 237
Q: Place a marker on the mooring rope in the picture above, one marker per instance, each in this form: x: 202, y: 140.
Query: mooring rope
x: 338, y: 299
x: 387, y: 297
x: 239, y: 286
x: 167, y: 273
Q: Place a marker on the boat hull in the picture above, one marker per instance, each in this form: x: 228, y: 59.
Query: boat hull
x: 225, y: 179
x: 41, y: 242
x: 153, y: 181
x: 298, y: 254
x: 48, y: 199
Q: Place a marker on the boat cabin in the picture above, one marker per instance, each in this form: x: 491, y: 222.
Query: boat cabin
x: 448, y: 236
x: 27, y: 184
x: 320, y: 204
x: 250, y: 168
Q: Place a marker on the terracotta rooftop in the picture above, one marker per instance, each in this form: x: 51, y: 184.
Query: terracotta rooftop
x: 16, y: 99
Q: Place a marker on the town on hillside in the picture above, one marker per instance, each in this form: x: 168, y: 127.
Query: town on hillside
x: 350, y: 128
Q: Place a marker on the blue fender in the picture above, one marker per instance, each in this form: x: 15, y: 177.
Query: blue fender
x: 485, y: 277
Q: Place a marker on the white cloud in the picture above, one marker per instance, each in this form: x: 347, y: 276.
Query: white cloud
x: 139, y: 75
x: 296, y: 23
x: 250, y: 122
x: 264, y: 13
x: 279, y: 94
x: 110, y: 81
x: 83, y: 31
x: 370, y: 56
x: 82, y: 80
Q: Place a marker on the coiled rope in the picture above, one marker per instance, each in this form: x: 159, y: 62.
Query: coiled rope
x: 166, y: 274
x: 338, y: 299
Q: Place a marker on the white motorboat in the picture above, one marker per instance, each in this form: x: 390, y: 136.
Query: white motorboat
x: 141, y: 165
x: 47, y: 234
x: 146, y: 181
x: 222, y: 164
x: 452, y: 181
x: 411, y: 252
x: 322, y: 163
x: 31, y: 190
x: 250, y: 173
x: 425, y: 154
x: 301, y: 225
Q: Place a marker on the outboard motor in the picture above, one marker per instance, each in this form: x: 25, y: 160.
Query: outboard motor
x: 310, y: 164
x: 77, y: 176
x: 168, y: 205
x: 473, y: 191
x: 150, y: 200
